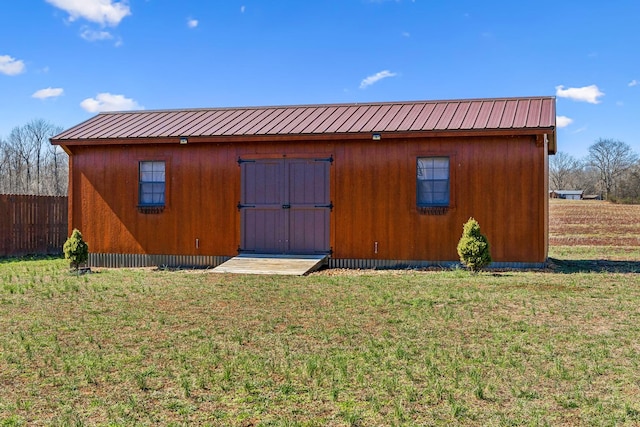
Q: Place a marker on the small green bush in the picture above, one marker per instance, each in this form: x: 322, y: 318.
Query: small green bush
x: 76, y: 249
x: 473, y: 247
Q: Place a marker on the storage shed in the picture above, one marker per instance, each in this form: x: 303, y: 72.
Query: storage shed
x: 567, y: 194
x: 372, y: 185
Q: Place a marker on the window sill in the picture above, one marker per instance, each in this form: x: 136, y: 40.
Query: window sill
x: 150, y: 209
x: 433, y: 210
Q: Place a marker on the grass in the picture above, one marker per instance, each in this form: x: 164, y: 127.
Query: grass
x: 345, y: 348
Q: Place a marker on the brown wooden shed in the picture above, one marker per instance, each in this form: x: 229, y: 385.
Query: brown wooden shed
x: 376, y: 184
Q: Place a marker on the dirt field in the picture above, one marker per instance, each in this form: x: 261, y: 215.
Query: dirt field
x: 594, y: 230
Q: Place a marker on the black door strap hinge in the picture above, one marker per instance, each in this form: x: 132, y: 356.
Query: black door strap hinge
x: 330, y: 206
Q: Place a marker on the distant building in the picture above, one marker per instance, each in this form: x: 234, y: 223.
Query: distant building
x: 566, y: 194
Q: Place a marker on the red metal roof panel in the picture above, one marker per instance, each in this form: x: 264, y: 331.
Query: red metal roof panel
x: 398, y: 118
x: 317, y: 125
x: 347, y: 113
x: 206, y: 121
x: 459, y: 116
x: 168, y: 123
x: 522, y: 110
x: 472, y: 115
x: 264, y: 121
x: 385, y: 122
x: 446, y: 116
x: 297, y: 120
x: 407, y: 122
x: 508, y: 114
x: 334, y: 114
x: 98, y: 127
x: 422, y: 117
x: 435, y: 116
x: 247, y: 121
x: 276, y: 121
x: 548, y: 113
x: 353, y: 118
x: 535, y: 108
x: 416, y: 116
x: 315, y: 112
x: 237, y: 121
x: 496, y: 115
x: 188, y: 123
x: 369, y: 111
x: 220, y: 122
x: 373, y: 122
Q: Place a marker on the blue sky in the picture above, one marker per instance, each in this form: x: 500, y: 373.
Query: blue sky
x: 66, y: 60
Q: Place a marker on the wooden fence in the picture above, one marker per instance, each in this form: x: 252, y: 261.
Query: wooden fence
x: 32, y: 224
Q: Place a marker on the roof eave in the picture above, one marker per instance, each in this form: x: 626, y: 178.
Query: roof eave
x: 550, y: 132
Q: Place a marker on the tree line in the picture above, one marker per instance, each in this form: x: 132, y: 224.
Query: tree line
x: 29, y: 164
x: 611, y: 170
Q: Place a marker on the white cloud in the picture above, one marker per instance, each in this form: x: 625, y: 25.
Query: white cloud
x: 563, y: 121
x: 109, y: 102
x: 376, y: 77
x: 50, y: 92
x: 242, y: 9
x: 588, y: 94
x: 11, y: 66
x: 633, y: 83
x: 406, y: 34
x: 192, y: 23
x: 92, y: 36
x: 103, y: 12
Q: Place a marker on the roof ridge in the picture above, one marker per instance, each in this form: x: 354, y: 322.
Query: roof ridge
x: 340, y: 104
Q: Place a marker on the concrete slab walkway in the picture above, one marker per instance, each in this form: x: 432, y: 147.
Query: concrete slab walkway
x: 290, y: 265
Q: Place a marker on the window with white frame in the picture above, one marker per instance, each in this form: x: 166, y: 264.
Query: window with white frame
x: 433, y: 182
x: 152, y: 183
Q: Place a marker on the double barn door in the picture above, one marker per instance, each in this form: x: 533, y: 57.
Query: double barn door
x: 285, y: 206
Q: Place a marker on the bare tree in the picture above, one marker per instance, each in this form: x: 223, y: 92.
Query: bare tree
x: 629, y: 186
x: 57, y: 171
x: 29, y: 164
x: 38, y: 132
x: 562, y: 170
x: 21, y: 159
x: 5, y: 169
x: 611, y: 158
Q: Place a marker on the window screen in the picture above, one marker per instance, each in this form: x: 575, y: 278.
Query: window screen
x: 433, y: 181
x: 152, y: 183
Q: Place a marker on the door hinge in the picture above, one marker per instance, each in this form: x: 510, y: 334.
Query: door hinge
x: 241, y: 161
x: 330, y: 206
x: 328, y: 159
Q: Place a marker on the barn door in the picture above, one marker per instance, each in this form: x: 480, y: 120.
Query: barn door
x: 285, y: 206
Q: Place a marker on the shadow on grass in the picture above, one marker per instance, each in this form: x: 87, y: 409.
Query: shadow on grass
x: 13, y: 259
x: 567, y: 266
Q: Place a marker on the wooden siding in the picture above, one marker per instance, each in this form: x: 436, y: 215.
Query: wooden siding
x: 499, y: 180
x: 32, y: 225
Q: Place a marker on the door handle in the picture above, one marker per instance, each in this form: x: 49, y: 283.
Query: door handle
x: 286, y: 206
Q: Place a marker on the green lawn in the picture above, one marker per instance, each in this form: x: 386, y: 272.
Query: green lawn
x: 357, y: 348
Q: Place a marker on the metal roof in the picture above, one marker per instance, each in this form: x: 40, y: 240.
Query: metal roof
x: 503, y: 114
x: 567, y: 192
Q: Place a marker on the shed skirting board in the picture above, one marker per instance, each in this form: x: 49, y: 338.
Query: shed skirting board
x: 145, y: 260
x: 398, y: 263
x: 201, y: 261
